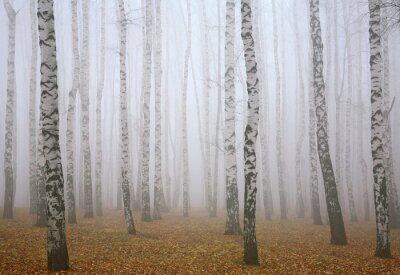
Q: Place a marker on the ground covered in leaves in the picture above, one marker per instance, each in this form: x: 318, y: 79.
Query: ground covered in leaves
x: 195, y: 245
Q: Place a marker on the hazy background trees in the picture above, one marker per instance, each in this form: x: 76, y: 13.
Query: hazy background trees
x: 190, y: 82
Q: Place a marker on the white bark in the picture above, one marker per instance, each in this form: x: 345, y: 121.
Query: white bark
x: 100, y: 88
x: 10, y: 110
x: 278, y: 114
x: 185, y: 153
x: 158, y: 187
x: 348, y: 170
x: 338, y: 235
x: 124, y: 131
x: 57, y: 253
x: 301, y: 123
x: 32, y: 109
x: 377, y: 133
x: 232, y: 225
x: 71, y: 117
x: 84, y: 91
x: 250, y: 170
x: 206, y: 121
x: 146, y: 115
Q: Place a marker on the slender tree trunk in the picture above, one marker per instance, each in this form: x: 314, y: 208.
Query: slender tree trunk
x: 281, y: 184
x: 264, y: 99
x: 32, y: 111
x: 338, y: 95
x: 206, y: 87
x: 10, y: 109
x: 185, y: 153
x: 158, y: 187
x: 166, y: 130
x: 315, y: 202
x: 214, y: 204
x: 377, y: 133
x: 98, y: 188
x: 301, y: 103
x: 84, y: 91
x: 232, y: 224
x: 348, y: 170
x: 338, y: 234
x: 124, y: 135
x: 250, y: 170
x: 394, y: 207
x: 146, y: 216
x: 70, y: 144
x: 57, y: 253
x: 138, y: 205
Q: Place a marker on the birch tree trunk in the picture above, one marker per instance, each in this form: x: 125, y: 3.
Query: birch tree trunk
x: 338, y: 95
x: 338, y: 234
x: 70, y: 144
x: 84, y: 91
x: 349, y: 179
x: 57, y: 253
x: 138, y: 205
x: 214, y: 205
x: 232, y: 224
x: 32, y: 111
x: 124, y: 143
x: 158, y: 187
x: 394, y: 207
x: 99, y: 156
x: 360, y: 131
x: 206, y: 87
x: 281, y: 184
x: 185, y: 153
x: 264, y: 99
x: 166, y: 130
x: 300, y: 122
x: 10, y: 109
x: 41, y: 218
x: 146, y: 216
x: 250, y: 170
x: 377, y: 132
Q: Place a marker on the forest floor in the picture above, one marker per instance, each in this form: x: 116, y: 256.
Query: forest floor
x: 195, y: 245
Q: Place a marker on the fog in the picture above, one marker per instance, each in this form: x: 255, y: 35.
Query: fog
x: 285, y: 68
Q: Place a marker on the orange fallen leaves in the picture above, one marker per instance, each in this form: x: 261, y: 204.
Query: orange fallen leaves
x: 195, y: 245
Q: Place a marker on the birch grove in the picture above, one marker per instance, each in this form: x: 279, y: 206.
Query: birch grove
x: 137, y: 134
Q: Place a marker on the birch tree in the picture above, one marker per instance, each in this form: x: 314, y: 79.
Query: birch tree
x: 348, y: 169
x: 250, y: 170
x: 394, y: 207
x: 124, y: 143
x: 281, y: 183
x: 84, y: 91
x: 301, y: 123
x: 146, y: 216
x: 185, y: 153
x: 32, y: 110
x: 232, y: 225
x: 338, y: 234
x: 70, y: 144
x: 377, y: 132
x: 158, y: 187
x: 206, y: 121
x: 10, y: 110
x: 100, y: 88
x: 264, y: 99
x: 57, y: 253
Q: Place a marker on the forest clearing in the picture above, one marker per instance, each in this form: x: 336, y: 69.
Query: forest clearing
x: 194, y: 245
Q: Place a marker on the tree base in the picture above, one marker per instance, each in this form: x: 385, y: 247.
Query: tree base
x: 58, y: 259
